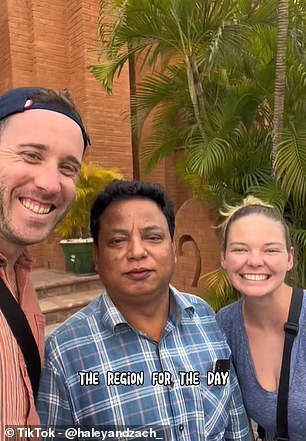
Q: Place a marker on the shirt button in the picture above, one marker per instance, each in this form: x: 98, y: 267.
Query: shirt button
x: 181, y: 427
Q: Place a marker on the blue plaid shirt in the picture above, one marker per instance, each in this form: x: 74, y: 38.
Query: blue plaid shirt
x: 98, y: 339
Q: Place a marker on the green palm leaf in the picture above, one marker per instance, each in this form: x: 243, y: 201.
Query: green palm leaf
x: 220, y: 291
x: 291, y: 165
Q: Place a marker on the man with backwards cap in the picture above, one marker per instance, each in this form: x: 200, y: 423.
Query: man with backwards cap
x: 42, y: 142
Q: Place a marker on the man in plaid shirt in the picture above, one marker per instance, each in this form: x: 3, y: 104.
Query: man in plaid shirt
x: 143, y: 355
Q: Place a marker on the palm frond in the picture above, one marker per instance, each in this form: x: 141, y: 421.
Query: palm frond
x: 220, y: 291
x: 299, y: 237
x: 206, y: 159
x: 291, y: 165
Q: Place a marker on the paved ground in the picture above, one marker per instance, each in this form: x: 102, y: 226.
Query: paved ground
x: 66, y: 297
x: 43, y: 277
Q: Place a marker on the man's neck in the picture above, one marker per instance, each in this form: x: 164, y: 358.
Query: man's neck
x: 148, y: 317
x: 10, y: 251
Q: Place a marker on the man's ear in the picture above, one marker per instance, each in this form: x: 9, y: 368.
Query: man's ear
x: 174, y: 252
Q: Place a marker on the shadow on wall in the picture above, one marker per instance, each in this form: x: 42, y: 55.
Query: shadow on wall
x: 197, y: 245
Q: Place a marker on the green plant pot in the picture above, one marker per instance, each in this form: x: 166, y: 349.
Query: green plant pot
x: 78, y: 255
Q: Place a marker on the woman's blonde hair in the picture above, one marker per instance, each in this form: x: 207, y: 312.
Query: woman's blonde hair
x: 251, y: 205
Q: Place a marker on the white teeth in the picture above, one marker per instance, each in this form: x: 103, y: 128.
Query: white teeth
x: 255, y: 277
x: 35, y: 208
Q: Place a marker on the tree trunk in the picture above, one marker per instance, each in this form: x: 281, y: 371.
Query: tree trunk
x: 133, y: 113
x: 280, y: 76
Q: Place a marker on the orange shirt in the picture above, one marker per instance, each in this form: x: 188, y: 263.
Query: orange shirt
x: 16, y: 396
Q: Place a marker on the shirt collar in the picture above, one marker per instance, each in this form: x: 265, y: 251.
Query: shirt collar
x: 24, y: 260
x: 180, y: 305
x: 112, y: 317
x: 114, y: 320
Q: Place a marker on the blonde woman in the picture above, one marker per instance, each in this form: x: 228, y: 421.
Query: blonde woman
x: 257, y: 254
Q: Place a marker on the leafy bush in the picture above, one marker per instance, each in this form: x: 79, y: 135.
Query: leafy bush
x: 92, y: 180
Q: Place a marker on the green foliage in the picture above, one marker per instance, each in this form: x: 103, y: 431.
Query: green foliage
x: 92, y: 180
x: 220, y: 291
x: 210, y: 95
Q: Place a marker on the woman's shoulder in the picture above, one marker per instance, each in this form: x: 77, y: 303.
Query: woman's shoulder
x: 230, y: 319
x: 230, y: 313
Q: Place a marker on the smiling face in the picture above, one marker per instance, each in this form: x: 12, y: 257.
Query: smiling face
x: 256, y: 258
x: 135, y: 253
x: 40, y: 155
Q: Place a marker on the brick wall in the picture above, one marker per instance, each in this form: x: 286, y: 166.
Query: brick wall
x: 5, y: 55
x: 197, y: 245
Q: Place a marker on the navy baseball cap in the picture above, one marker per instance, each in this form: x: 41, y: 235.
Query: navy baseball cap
x: 20, y: 100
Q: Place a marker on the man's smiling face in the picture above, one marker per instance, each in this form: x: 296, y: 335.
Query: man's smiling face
x: 40, y: 156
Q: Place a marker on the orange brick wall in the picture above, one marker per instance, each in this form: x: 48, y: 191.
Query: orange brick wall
x: 5, y: 55
x: 197, y: 245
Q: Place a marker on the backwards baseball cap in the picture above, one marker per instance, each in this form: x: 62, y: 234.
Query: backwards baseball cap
x: 21, y: 99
